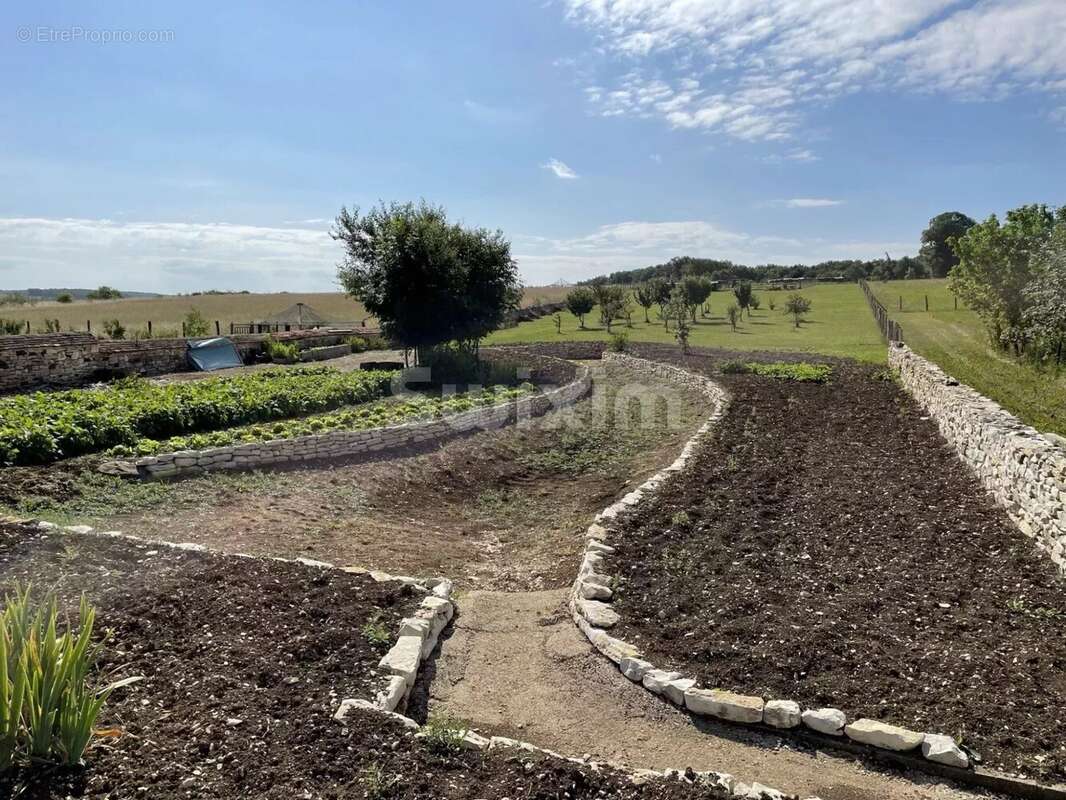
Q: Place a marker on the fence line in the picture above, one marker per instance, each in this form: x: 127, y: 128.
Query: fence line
x: 890, y: 329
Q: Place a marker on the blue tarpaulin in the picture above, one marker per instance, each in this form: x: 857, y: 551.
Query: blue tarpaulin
x: 211, y: 354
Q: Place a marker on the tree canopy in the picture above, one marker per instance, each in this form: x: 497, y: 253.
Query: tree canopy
x: 936, y: 250
x: 427, y: 280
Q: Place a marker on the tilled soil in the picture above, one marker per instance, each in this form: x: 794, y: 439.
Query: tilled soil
x: 243, y: 662
x: 838, y: 553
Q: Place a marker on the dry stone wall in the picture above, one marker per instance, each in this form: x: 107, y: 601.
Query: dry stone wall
x: 62, y: 360
x: 1023, y: 469
x: 336, y: 444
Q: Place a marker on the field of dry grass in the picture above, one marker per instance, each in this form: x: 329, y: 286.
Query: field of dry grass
x: 166, y: 313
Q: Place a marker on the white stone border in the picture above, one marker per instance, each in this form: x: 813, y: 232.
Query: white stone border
x: 594, y: 616
x: 417, y: 636
x: 340, y: 443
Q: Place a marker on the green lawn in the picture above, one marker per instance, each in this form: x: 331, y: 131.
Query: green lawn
x: 956, y: 340
x: 840, y: 324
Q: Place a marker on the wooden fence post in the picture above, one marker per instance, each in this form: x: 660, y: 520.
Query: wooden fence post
x: 901, y: 302
x: 183, y: 329
x: 89, y: 325
x: 218, y: 328
x: 927, y: 302
x: 149, y: 329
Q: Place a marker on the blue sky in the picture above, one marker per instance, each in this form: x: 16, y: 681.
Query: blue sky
x: 597, y: 134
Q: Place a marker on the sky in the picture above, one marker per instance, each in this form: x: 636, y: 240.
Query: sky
x: 190, y: 146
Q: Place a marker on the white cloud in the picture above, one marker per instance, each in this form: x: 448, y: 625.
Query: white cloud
x: 748, y: 69
x: 812, y: 202
x: 560, y: 169
x: 167, y: 256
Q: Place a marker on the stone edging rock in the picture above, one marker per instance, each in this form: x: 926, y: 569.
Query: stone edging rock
x: 335, y: 444
x: 417, y: 636
x: 594, y: 616
x: 1022, y: 468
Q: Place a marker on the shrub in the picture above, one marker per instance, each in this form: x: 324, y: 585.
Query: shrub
x: 619, y: 341
x: 104, y: 293
x: 114, y: 329
x: 358, y: 344
x: 281, y: 351
x: 734, y: 368
x: 579, y: 302
x: 195, y: 326
x: 802, y: 371
x: 797, y: 305
x: 47, y: 707
x: 10, y: 327
x: 733, y: 312
x: 13, y: 299
x: 64, y: 297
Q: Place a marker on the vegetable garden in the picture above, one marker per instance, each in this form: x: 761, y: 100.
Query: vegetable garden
x: 44, y: 427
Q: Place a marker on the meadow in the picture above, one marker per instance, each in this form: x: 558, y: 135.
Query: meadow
x: 956, y: 340
x: 839, y: 324
x: 166, y: 313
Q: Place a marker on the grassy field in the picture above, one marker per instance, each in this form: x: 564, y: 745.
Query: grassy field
x: 956, y: 340
x: 166, y: 313
x: 840, y: 324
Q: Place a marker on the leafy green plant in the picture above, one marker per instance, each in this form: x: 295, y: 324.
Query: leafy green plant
x: 375, y: 633
x: 46, y: 426
x: 734, y: 368
x: 802, y: 371
x: 444, y: 732
x: 114, y: 329
x: 47, y: 706
x: 358, y: 344
x: 377, y: 783
x: 195, y: 326
x: 10, y: 327
x: 281, y: 351
x: 680, y: 518
x: 376, y: 415
x: 619, y: 341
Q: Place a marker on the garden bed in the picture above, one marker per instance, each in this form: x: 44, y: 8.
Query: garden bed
x: 828, y: 547
x: 245, y: 662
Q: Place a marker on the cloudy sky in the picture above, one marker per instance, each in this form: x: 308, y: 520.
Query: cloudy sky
x: 209, y: 145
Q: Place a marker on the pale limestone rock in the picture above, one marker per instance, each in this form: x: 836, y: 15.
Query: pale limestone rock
x: 675, y: 690
x: 782, y: 713
x: 655, y: 680
x: 883, y: 735
x: 943, y: 750
x: 825, y: 720
x: 634, y: 668
x: 403, y: 658
x: 393, y: 693
x: 598, y: 614
x: 725, y: 705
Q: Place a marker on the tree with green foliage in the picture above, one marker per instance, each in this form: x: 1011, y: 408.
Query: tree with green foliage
x: 1045, y: 315
x: 64, y: 297
x: 612, y: 300
x: 743, y: 293
x: 427, y: 280
x: 996, y: 264
x: 195, y: 325
x: 733, y: 313
x: 936, y: 251
x: 646, y: 297
x: 696, y: 290
x: 661, y: 290
x: 798, y: 306
x: 104, y: 293
x: 579, y: 302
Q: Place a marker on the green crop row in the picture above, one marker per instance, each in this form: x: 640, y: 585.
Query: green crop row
x: 372, y: 415
x: 43, y: 427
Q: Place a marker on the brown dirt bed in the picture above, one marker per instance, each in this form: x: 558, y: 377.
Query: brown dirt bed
x: 244, y: 661
x: 838, y: 553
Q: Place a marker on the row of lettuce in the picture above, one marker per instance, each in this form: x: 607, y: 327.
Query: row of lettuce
x: 137, y: 417
x: 372, y: 415
x: 44, y: 427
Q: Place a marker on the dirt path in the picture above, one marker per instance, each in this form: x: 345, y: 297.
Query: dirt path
x: 517, y: 666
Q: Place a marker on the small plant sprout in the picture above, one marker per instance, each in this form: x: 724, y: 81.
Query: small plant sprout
x: 558, y: 320
x: 444, y: 733
x: 376, y: 634
x: 377, y: 782
x: 680, y: 518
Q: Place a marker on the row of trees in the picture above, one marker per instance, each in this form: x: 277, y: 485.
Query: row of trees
x: 677, y: 302
x: 1013, y: 275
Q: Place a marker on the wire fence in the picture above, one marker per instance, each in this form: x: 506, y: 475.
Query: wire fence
x: 890, y: 329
